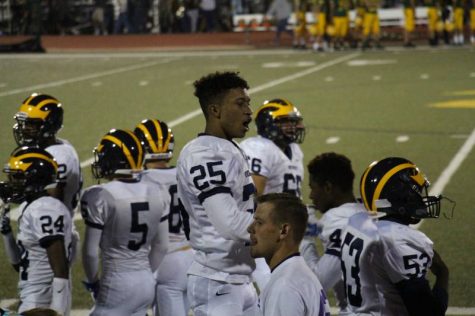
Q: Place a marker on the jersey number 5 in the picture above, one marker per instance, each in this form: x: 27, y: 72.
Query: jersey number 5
x: 136, y: 227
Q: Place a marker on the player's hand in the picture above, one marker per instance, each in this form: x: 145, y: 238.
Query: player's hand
x: 5, y: 227
x: 92, y: 288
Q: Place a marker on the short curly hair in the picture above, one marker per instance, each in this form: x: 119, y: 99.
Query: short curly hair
x: 334, y: 168
x: 211, y: 88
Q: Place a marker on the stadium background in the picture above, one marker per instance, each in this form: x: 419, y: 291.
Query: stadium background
x: 417, y: 104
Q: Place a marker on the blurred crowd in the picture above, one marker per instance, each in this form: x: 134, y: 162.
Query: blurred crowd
x: 447, y: 20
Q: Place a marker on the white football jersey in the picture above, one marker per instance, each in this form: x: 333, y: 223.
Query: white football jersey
x: 40, y: 221
x: 165, y: 179
x: 293, y: 289
x: 359, y: 245
x: 69, y: 170
x: 333, y: 222
x: 129, y: 214
x: 209, y: 166
x: 404, y: 253
x: 283, y: 174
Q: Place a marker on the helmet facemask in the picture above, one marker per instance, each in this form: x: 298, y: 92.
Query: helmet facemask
x: 290, y: 130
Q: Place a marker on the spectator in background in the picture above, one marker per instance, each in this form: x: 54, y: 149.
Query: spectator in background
x: 122, y: 19
x: 137, y: 10
x: 192, y: 13
x: 208, y: 14
x: 97, y: 19
x: 280, y: 11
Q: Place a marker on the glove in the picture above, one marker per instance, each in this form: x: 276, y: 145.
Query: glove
x: 92, y: 288
x: 5, y: 227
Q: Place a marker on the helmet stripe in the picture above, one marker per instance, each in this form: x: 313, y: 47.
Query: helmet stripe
x: 158, y: 128
x: 385, y: 179
x: 48, y: 101
x: 138, y: 163
x: 126, y: 151
x: 16, y: 163
x: 363, y: 186
x: 167, y: 141
x: 149, y: 138
x: 33, y: 112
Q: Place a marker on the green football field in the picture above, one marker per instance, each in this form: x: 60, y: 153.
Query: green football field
x: 418, y: 104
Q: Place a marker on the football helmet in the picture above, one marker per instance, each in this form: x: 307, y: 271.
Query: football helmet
x: 396, y: 186
x: 118, y: 152
x: 39, y: 117
x: 30, y: 170
x: 157, y: 139
x: 270, y: 120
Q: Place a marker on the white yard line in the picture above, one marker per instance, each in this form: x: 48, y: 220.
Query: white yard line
x: 444, y: 178
x: 83, y: 78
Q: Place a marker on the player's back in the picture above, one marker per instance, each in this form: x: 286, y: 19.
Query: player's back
x: 284, y: 173
x: 405, y: 253
x: 129, y: 214
x: 360, y: 242
x: 39, y: 221
x: 69, y: 170
x: 207, y: 166
x: 165, y: 181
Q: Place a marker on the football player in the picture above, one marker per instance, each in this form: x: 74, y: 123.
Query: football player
x: 126, y: 220
x: 371, y: 25
x: 274, y: 154
x: 38, y: 120
x: 275, y: 157
x: 409, y: 21
x: 216, y: 189
x: 276, y: 232
x: 394, y: 258
x: 41, y: 253
x: 331, y: 191
x: 158, y: 142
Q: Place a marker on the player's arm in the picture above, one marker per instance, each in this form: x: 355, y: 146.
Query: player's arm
x: 224, y: 214
x: 419, y: 298
x: 90, y: 253
x: 328, y: 271
x: 9, y: 243
x: 93, y: 206
x: 59, y: 264
x: 260, y: 183
x: 159, y: 245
